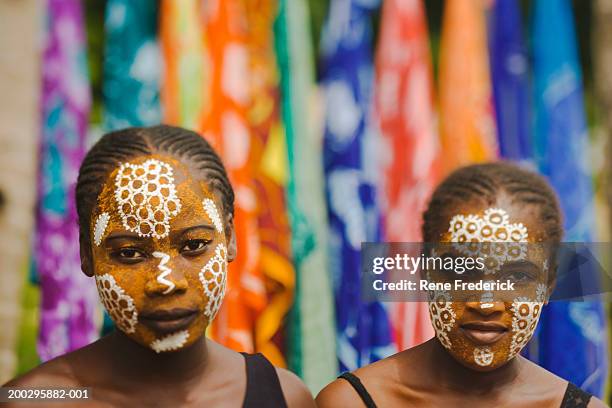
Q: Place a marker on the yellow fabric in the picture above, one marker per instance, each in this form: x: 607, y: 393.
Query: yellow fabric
x: 467, y: 126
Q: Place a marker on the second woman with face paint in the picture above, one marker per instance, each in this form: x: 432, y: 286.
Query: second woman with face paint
x: 474, y: 360
x: 156, y: 232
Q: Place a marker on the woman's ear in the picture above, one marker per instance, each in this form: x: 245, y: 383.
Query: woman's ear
x: 86, y: 256
x: 230, y: 236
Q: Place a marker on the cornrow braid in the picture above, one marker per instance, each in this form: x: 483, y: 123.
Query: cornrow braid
x: 483, y: 182
x: 120, y: 146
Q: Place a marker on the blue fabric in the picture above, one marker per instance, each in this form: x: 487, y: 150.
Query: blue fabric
x: 132, y: 71
x: 572, y: 338
x: 132, y: 64
x: 509, y: 72
x: 363, y: 329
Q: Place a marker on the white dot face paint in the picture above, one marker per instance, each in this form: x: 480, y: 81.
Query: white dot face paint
x: 493, y: 227
x: 498, y: 241
x: 100, y: 227
x: 526, y: 314
x: 214, y: 277
x: 213, y: 213
x: 483, y: 356
x: 170, y: 342
x: 442, y: 315
x: 164, y: 271
x: 119, y: 305
x: 146, y: 197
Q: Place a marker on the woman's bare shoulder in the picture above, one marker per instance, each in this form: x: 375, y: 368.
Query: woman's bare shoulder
x: 53, y: 373
x: 337, y: 393
x: 62, y: 371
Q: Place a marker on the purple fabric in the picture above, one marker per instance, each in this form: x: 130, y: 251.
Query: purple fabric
x: 68, y: 298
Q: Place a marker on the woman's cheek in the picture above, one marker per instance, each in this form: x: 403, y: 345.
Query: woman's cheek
x: 213, y: 277
x: 120, y: 306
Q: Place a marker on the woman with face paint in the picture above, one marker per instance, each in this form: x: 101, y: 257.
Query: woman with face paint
x: 474, y: 361
x: 156, y: 233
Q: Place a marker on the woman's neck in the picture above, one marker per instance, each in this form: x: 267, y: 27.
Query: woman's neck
x: 135, y: 361
x: 451, y: 374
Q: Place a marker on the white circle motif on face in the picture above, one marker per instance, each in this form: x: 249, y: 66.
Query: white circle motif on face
x: 493, y: 226
x: 146, y: 197
x: 525, y: 316
x: 214, y: 278
x: 442, y: 315
x: 483, y: 356
x: 170, y: 342
x: 119, y: 304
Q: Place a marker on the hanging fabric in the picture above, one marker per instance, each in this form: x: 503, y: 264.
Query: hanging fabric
x: 572, y: 338
x: 467, y: 123
x: 404, y: 107
x: 68, y: 298
x: 311, y: 336
x: 350, y: 152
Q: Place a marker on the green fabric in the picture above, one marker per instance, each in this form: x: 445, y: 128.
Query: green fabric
x: 311, y: 336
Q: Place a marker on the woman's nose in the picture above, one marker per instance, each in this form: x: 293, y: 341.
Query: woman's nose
x: 486, y: 307
x: 165, y: 281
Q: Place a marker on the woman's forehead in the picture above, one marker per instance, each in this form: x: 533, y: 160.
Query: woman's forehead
x: 503, y: 214
x: 148, y: 166
x: 150, y: 193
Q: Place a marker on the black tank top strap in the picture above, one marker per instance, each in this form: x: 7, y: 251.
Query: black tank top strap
x: 575, y: 397
x: 358, y: 386
x: 263, y: 386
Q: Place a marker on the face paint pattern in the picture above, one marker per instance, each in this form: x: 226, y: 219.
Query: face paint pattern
x: 146, y: 197
x: 493, y: 227
x: 213, y: 213
x: 483, y: 356
x: 442, y: 315
x: 100, y: 228
x: 164, y: 271
x: 120, y: 306
x: 213, y: 277
x: 171, y: 342
x: 525, y: 319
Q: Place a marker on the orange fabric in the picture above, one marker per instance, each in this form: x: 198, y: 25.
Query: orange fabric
x: 183, y: 92
x: 468, y: 131
x: 225, y: 124
x: 404, y: 108
x: 269, y: 154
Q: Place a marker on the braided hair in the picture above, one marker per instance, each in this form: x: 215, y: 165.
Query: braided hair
x: 484, y: 182
x: 123, y: 145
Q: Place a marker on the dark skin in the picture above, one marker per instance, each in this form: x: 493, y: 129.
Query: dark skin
x: 429, y: 376
x: 125, y: 372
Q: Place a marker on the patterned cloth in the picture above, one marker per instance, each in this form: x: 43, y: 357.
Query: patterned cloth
x: 510, y: 74
x: 572, y: 339
x: 467, y: 123
x: 69, y: 298
x: 404, y: 106
x: 132, y: 65
x: 270, y: 170
x: 311, y: 334
x: 184, y: 81
x: 226, y: 125
x: 350, y: 151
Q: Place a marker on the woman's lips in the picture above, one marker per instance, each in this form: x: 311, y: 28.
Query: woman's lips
x: 484, y: 332
x: 166, y: 321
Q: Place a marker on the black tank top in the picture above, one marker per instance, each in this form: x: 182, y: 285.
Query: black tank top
x: 574, y: 397
x: 263, y: 387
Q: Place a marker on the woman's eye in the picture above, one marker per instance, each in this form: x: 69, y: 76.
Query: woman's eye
x: 519, y: 277
x: 129, y: 255
x: 194, y: 245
